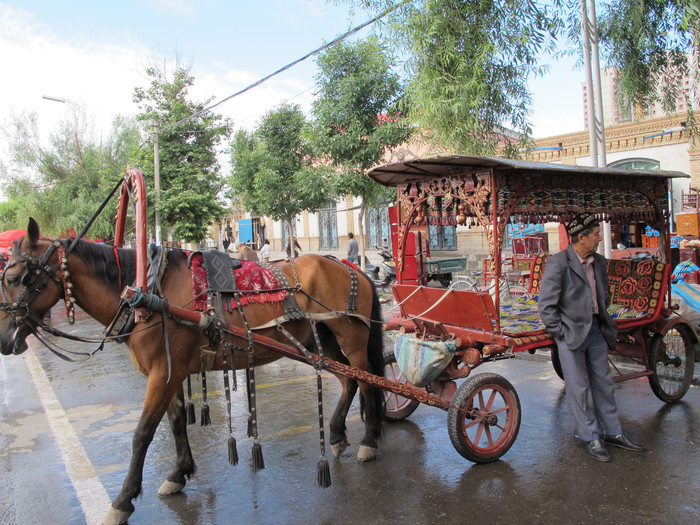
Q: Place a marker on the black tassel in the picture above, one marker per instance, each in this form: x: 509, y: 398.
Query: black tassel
x: 258, y: 461
x: 205, y: 419
x: 189, y: 407
x: 323, y: 474
x: 232, y: 451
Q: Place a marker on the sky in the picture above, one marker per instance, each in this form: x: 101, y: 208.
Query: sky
x: 94, y: 53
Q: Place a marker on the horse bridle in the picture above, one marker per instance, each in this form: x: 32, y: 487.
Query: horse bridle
x: 33, y: 284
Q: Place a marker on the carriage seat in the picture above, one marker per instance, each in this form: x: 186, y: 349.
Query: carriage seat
x: 635, y: 294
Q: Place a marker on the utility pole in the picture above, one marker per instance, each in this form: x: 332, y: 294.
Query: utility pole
x: 156, y: 177
x: 594, y: 97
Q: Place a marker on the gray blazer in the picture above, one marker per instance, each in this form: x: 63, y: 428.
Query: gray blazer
x: 565, y: 299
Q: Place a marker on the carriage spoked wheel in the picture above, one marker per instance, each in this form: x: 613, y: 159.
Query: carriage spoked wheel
x: 672, y: 362
x: 556, y: 362
x: 397, y: 408
x: 484, y: 418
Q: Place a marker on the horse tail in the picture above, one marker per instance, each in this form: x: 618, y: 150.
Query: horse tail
x: 375, y: 357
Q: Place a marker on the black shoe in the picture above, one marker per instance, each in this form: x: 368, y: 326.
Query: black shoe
x: 596, y: 449
x: 623, y: 441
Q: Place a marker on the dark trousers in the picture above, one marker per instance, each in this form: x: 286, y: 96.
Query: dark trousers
x: 590, y: 390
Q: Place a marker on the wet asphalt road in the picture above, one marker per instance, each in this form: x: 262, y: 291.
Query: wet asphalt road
x: 65, y: 447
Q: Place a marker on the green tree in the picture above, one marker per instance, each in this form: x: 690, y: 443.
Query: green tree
x: 469, y: 63
x: 273, y: 172
x: 62, y: 183
x: 653, y: 44
x: 357, y: 117
x: 191, y: 186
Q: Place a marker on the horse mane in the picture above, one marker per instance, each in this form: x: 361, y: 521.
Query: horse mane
x: 102, y: 259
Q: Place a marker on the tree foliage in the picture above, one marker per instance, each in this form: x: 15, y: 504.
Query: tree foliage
x: 357, y: 114
x: 469, y: 63
x: 191, y: 186
x: 62, y: 183
x: 273, y: 172
x: 652, y: 45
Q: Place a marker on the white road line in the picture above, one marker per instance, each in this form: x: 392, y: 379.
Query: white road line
x: 92, y: 495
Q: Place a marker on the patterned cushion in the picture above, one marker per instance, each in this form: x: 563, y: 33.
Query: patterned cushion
x: 636, y: 286
x: 635, y: 293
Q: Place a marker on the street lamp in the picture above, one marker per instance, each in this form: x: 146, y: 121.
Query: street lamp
x: 62, y: 101
x: 80, y: 109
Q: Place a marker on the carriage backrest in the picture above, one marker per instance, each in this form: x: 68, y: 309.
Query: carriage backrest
x: 634, y: 285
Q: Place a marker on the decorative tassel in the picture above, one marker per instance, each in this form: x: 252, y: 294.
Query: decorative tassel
x: 258, y: 461
x: 323, y: 474
x: 189, y: 407
x: 205, y: 419
x: 232, y: 451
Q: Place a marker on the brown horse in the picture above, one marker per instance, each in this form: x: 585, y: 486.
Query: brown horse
x: 96, y: 274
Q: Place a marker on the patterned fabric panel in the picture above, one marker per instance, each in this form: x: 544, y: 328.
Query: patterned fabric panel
x: 536, y: 272
x: 636, y: 285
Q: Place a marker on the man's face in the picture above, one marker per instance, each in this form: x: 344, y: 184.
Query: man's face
x: 589, y: 243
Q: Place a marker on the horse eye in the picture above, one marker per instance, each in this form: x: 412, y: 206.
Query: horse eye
x: 13, y: 280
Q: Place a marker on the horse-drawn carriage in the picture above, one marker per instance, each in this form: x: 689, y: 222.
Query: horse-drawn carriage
x: 186, y: 314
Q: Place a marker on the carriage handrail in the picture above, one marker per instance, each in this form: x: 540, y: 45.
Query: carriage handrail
x: 134, y: 189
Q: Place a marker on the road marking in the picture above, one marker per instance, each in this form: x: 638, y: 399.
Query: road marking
x: 92, y: 495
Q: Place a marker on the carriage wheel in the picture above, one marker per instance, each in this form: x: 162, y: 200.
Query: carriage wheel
x: 484, y: 418
x: 397, y: 408
x: 556, y: 362
x: 672, y: 362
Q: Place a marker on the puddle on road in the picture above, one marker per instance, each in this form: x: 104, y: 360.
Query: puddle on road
x: 107, y: 418
x: 22, y: 432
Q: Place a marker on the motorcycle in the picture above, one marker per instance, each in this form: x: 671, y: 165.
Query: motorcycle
x: 387, y: 266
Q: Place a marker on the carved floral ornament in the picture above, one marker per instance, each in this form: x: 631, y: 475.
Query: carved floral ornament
x: 465, y: 199
x: 528, y: 198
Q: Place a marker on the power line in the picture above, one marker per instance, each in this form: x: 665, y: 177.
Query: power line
x: 291, y: 64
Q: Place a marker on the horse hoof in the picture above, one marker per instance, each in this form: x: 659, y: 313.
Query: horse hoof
x: 339, y: 448
x: 116, y: 517
x: 170, y: 487
x: 366, y: 453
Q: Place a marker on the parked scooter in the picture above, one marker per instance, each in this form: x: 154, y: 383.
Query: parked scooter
x: 387, y: 266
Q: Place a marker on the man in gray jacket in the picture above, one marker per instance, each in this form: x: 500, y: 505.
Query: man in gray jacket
x: 572, y: 304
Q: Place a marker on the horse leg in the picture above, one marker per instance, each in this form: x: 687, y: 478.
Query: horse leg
x: 338, y: 439
x: 357, y: 347
x: 184, y: 463
x: 158, y: 396
x: 372, y: 415
x: 331, y: 349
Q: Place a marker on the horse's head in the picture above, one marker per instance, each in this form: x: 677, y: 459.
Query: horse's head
x: 26, y: 290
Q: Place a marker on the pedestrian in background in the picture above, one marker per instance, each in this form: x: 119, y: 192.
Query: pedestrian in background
x: 572, y: 304
x: 265, y: 251
x: 353, y: 249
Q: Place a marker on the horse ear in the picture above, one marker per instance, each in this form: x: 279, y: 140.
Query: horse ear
x: 32, y: 231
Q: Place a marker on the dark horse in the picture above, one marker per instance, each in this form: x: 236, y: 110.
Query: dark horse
x: 97, y: 272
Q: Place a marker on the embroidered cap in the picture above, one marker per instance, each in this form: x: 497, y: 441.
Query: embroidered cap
x: 580, y: 223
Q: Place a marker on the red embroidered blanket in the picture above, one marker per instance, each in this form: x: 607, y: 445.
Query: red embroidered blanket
x: 257, y: 284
